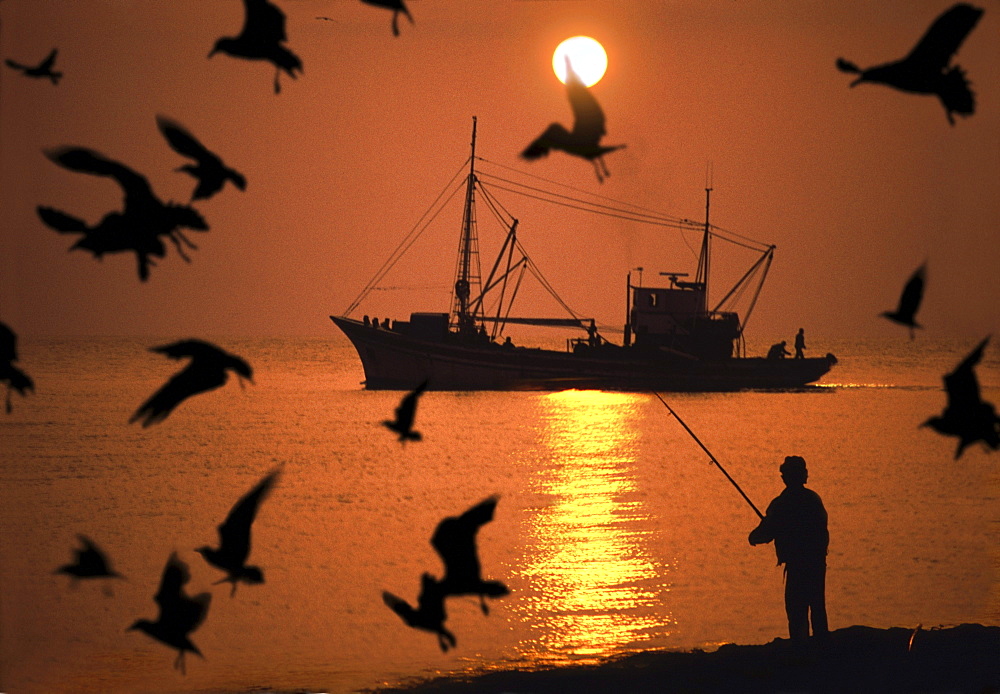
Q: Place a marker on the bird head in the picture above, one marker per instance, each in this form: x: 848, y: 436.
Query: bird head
x: 141, y: 625
x: 220, y: 45
x: 251, y: 574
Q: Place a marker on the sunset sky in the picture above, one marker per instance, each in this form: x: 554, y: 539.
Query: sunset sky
x: 856, y: 187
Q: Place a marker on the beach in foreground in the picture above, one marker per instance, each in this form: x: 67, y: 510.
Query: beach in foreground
x: 964, y: 658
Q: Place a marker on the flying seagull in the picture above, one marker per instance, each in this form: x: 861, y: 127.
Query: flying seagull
x: 967, y: 415
x: 454, y: 540
x: 179, y: 614
x: 206, y: 371
x: 140, y: 224
x: 234, y: 537
x: 909, y: 301
x: 89, y: 562
x: 209, y: 170
x: 396, y: 6
x: 926, y: 69
x: 429, y: 615
x: 10, y: 374
x: 403, y: 424
x: 43, y: 69
x: 261, y: 39
x: 588, y: 129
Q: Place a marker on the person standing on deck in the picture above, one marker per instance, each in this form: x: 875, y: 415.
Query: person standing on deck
x: 797, y: 523
x: 800, y: 343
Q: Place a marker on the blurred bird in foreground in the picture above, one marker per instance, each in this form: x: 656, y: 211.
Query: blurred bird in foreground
x: 430, y: 614
x: 454, y: 540
x: 10, y: 374
x: 89, y: 562
x: 42, y: 70
x: 588, y: 129
x: 926, y: 70
x: 396, y: 6
x: 140, y: 224
x: 967, y: 415
x: 206, y: 371
x: 909, y: 301
x: 403, y: 424
x: 261, y: 39
x: 234, y: 537
x: 208, y: 169
x: 179, y: 613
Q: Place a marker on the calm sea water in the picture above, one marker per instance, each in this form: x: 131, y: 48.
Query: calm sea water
x: 613, y: 531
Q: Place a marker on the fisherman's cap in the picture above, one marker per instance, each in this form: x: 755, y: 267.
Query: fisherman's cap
x: 793, y: 463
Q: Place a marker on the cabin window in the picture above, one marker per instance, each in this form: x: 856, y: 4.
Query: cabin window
x: 652, y: 299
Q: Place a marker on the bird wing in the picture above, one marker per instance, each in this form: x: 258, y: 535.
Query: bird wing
x: 588, y: 118
x: 264, y: 22
x: 183, y: 142
x: 234, y: 532
x: 190, y: 348
x: 46, y: 64
x: 91, y: 555
x: 83, y: 160
x: 962, y: 385
x: 175, y: 577
x: 913, y: 293
x: 399, y: 606
x: 189, y: 381
x: 62, y: 222
x: 15, y: 65
x: 554, y: 136
x: 945, y: 36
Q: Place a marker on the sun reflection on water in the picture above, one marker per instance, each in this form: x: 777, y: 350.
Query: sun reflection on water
x: 595, y: 587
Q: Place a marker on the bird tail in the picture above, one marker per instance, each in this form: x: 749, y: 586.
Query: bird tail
x: 847, y: 66
x: 956, y: 95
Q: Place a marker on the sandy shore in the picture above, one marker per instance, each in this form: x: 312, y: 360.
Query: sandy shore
x: 964, y: 658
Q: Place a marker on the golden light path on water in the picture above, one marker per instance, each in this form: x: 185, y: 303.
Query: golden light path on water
x: 596, y: 588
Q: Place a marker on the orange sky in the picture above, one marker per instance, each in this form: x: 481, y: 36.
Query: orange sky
x: 855, y: 187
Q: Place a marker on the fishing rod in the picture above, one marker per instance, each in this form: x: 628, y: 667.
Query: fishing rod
x: 717, y: 463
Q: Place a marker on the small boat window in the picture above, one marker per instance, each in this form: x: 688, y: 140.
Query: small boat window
x: 652, y: 299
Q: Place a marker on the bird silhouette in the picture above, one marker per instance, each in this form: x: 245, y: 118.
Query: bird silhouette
x: 89, y: 562
x: 967, y: 415
x: 206, y: 371
x: 261, y: 39
x: 208, y: 168
x: 10, y: 374
x: 179, y: 613
x: 138, y: 227
x: 909, y: 301
x: 396, y: 6
x: 429, y: 615
x: 454, y: 540
x: 588, y: 129
x: 234, y: 537
x: 43, y: 69
x: 403, y: 424
x: 926, y: 70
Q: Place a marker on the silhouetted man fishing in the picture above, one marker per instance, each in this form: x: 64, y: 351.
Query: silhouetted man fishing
x: 796, y: 521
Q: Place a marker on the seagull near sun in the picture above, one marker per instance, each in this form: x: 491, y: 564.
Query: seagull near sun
x: 587, y: 57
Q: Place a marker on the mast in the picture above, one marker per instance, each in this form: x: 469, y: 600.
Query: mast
x: 468, y: 252
x: 703, y: 259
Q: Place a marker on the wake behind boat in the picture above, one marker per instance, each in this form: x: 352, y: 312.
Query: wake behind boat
x: 672, y: 340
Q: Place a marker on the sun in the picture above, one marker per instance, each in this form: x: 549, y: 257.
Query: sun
x: 587, y: 56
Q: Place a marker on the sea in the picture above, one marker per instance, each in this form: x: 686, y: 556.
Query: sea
x: 614, y: 530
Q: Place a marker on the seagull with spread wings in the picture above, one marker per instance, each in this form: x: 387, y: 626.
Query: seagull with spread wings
x: 42, y: 70
x: 89, y: 561
x: 179, y: 613
x: 208, y: 169
x: 207, y: 370
x: 138, y: 227
x: 909, y: 301
x: 234, y: 537
x: 262, y: 38
x: 584, y: 140
x: 405, y: 413
x: 429, y: 614
x: 967, y: 416
x: 926, y: 69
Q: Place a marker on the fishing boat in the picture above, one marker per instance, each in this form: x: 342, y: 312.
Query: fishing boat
x: 672, y: 340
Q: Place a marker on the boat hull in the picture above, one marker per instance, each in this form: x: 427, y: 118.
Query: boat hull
x: 395, y: 361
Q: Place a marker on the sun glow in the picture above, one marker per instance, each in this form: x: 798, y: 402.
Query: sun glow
x: 587, y: 56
